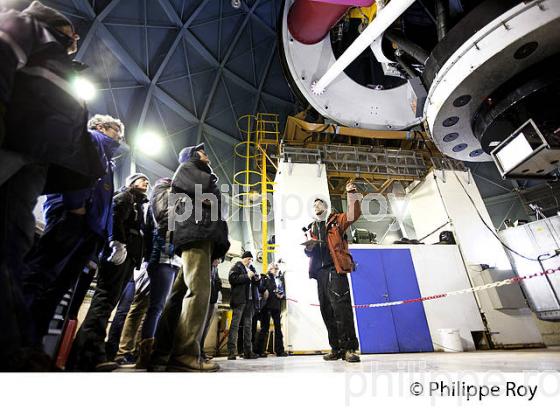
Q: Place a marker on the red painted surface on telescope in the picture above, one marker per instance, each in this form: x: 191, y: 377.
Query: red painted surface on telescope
x: 310, y: 21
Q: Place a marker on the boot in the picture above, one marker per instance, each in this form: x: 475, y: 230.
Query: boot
x: 146, y: 347
x: 191, y: 364
x: 333, y: 355
x: 351, y: 356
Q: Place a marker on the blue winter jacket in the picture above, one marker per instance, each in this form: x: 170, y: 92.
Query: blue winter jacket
x: 97, y: 199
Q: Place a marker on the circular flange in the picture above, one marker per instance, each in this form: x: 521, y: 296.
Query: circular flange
x: 344, y: 100
x: 523, y: 36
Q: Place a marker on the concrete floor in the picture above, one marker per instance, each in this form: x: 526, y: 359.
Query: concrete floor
x: 481, y: 361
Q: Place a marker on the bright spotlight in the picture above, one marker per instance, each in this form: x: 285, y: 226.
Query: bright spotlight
x: 84, y: 89
x: 149, y: 142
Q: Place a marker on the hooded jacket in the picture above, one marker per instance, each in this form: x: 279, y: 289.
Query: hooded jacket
x: 204, y: 222
x: 44, y: 120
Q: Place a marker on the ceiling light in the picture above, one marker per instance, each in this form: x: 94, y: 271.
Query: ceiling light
x: 84, y: 89
x: 149, y: 142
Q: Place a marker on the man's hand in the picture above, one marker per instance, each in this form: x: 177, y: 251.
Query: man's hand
x: 351, y: 187
x: 250, y: 273
x: 118, y: 254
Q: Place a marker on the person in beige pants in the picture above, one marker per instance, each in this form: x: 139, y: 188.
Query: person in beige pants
x: 199, y: 237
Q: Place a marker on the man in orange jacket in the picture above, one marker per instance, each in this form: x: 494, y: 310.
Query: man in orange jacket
x: 330, y: 262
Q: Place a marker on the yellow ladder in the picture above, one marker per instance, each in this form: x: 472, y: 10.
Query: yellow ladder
x: 262, y: 136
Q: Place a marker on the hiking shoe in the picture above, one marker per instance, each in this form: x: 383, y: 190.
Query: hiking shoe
x: 333, y: 355
x: 351, y: 356
x: 192, y: 364
x: 125, y: 361
x: 282, y: 354
x: 232, y: 356
x: 250, y: 355
x: 106, y: 366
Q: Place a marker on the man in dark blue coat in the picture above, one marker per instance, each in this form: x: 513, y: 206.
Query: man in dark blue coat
x: 44, y: 145
x: 124, y: 253
x: 77, y: 226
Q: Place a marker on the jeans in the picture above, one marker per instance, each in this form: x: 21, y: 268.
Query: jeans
x: 59, y: 258
x: 179, y: 331
x: 117, y: 325
x: 18, y: 196
x: 242, y: 316
x: 336, y: 309
x: 240, y: 337
x: 263, y: 334
x: 89, y: 347
x: 161, y: 280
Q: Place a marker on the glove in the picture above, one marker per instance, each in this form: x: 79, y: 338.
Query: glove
x: 118, y: 254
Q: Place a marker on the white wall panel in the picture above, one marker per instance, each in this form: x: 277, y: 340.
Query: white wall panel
x: 439, y: 198
x: 296, y: 186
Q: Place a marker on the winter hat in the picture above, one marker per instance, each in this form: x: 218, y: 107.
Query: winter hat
x: 131, y: 178
x: 47, y: 15
x: 246, y: 254
x: 187, y: 152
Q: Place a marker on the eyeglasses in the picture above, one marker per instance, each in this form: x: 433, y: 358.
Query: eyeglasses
x: 117, y: 129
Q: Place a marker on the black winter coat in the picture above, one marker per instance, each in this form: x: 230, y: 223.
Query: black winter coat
x: 242, y: 286
x: 273, y: 302
x: 205, y: 222
x: 44, y: 120
x: 129, y: 224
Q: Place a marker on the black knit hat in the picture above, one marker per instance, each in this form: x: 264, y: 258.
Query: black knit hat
x: 47, y: 15
x: 246, y: 254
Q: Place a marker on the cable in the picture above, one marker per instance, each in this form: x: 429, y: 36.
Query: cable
x: 492, y: 230
x: 434, y: 231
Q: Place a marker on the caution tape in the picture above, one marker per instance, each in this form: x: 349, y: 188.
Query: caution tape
x: 492, y: 285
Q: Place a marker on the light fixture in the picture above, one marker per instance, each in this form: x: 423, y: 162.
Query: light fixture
x: 236, y: 4
x: 84, y: 89
x: 527, y: 153
x: 149, y: 142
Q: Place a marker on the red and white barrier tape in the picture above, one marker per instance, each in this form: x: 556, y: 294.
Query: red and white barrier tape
x: 498, y: 284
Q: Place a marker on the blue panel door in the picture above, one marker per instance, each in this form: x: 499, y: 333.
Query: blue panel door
x: 376, y: 328
x: 411, y: 326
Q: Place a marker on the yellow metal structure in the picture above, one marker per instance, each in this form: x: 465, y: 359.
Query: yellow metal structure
x: 366, y: 14
x: 261, y: 143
